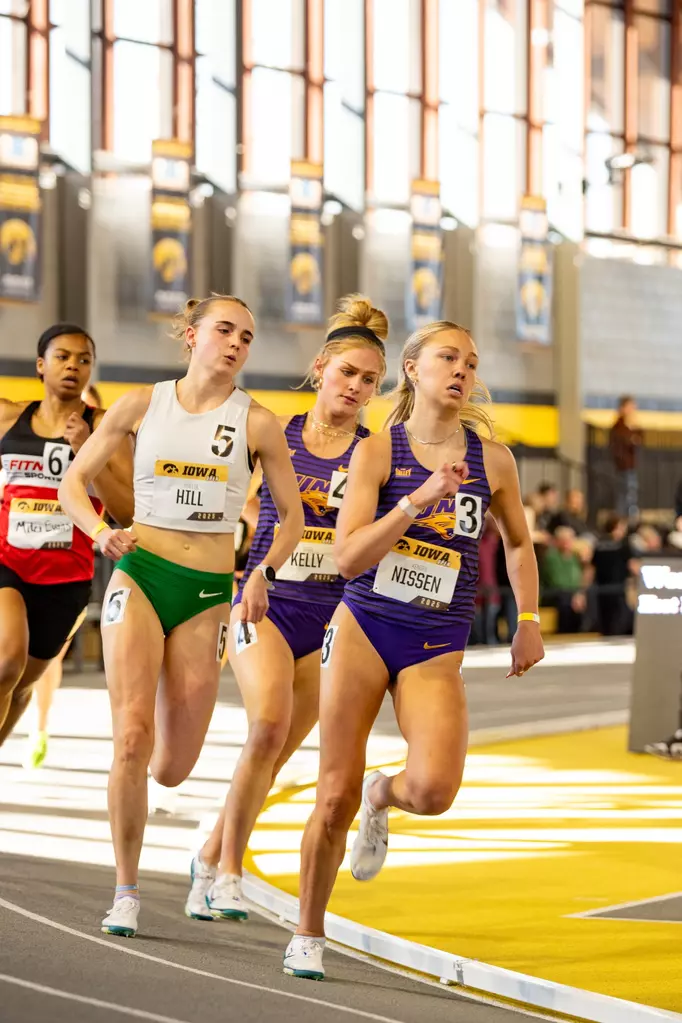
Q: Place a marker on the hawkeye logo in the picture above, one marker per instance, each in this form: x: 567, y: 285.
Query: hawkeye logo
x: 191, y: 470
x: 427, y: 552
x: 314, y: 493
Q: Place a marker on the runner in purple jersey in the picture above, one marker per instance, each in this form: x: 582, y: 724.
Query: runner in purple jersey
x: 277, y: 662
x: 407, y: 537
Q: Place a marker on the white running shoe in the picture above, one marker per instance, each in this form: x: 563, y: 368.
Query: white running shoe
x: 225, y: 900
x: 371, y: 844
x: 303, y: 957
x: 203, y: 876
x: 122, y: 918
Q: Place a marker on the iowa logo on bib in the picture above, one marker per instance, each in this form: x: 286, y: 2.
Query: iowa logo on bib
x: 419, y: 573
x: 189, y: 490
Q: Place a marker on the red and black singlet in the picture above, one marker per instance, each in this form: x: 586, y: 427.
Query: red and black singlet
x: 37, y: 539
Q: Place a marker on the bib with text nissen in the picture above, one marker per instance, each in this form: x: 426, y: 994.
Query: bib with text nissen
x: 187, y: 490
x: 313, y: 559
x: 418, y: 573
x: 38, y: 525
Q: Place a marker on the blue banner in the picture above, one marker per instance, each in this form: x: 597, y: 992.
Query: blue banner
x: 424, y: 299
x: 305, y: 291
x: 20, y: 209
x: 534, y: 286
x: 171, y: 223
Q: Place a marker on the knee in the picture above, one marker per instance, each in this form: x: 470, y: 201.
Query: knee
x: 11, y: 669
x: 338, y: 808
x: 134, y: 743
x: 266, y: 739
x: 431, y: 797
x: 167, y: 774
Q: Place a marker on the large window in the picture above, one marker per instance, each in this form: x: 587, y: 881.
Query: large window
x: 216, y: 97
x: 274, y: 90
x: 458, y: 116
x: 12, y: 58
x: 344, y: 100
x: 70, y: 88
x: 632, y: 146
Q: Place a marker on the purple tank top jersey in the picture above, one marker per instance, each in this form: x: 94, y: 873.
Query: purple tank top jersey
x: 430, y: 575
x: 310, y: 573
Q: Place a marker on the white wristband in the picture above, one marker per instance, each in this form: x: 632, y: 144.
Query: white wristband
x: 406, y: 506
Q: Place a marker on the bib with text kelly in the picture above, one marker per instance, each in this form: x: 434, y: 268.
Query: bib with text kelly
x: 313, y: 559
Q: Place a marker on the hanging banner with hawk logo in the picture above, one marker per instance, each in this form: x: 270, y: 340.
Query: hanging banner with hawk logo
x: 171, y: 225
x: 534, y: 289
x: 20, y: 209
x: 305, y: 291
x: 424, y: 298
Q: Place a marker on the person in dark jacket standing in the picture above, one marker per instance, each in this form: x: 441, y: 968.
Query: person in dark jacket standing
x: 624, y: 439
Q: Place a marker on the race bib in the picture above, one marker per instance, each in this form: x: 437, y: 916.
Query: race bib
x: 337, y: 489
x: 418, y: 573
x: 187, y: 490
x: 313, y: 560
x: 38, y: 525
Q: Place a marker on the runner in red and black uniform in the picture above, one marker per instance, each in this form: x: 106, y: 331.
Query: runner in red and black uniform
x: 46, y: 563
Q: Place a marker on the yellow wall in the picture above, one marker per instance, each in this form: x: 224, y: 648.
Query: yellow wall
x: 535, y: 425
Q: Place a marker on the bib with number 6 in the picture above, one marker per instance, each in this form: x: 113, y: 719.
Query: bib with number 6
x: 418, y: 573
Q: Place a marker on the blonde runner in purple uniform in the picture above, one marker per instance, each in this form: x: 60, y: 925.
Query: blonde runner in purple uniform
x: 277, y: 662
x: 413, y: 509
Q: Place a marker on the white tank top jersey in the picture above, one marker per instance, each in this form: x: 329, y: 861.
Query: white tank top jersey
x: 192, y: 472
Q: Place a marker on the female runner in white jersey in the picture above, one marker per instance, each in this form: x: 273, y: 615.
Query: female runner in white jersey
x: 414, y: 505
x: 278, y: 672
x: 165, y: 613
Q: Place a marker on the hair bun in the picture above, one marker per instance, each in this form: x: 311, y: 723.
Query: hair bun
x: 358, y: 311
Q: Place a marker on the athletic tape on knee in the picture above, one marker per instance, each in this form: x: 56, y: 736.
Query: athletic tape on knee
x: 114, y: 608
x: 245, y: 636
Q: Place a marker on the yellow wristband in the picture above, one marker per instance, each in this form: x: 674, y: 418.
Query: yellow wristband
x: 528, y: 616
x: 98, y: 529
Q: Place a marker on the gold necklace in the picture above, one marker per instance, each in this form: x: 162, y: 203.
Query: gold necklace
x: 327, y: 430
x: 443, y: 441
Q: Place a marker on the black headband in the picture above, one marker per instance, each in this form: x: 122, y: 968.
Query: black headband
x: 365, y: 332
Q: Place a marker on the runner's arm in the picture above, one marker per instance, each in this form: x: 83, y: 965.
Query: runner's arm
x: 360, y: 540
x: 267, y: 440
x: 114, y: 484
x: 117, y: 424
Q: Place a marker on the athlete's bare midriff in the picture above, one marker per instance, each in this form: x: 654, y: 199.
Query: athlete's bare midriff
x: 204, y: 552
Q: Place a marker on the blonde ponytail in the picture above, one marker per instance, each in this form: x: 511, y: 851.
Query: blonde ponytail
x: 472, y: 414
x: 353, y: 311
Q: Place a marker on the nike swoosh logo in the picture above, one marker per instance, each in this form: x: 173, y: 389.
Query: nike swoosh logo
x: 202, y: 594
x: 435, y: 646
x: 463, y: 484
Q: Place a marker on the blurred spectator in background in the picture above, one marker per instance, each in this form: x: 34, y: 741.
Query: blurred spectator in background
x: 613, y: 564
x: 488, y: 592
x: 573, y: 514
x: 546, y: 506
x: 646, y: 539
x: 624, y: 440
x: 563, y: 581
x: 675, y: 538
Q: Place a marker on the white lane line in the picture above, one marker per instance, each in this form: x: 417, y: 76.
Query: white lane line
x: 46, y: 922
x: 98, y: 1004
x: 627, y: 905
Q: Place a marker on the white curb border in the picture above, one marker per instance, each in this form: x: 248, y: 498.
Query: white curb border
x: 451, y: 969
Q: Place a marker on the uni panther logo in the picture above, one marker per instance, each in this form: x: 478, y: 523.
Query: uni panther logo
x: 17, y: 241
x: 403, y: 546
x: 443, y: 524
x: 170, y: 260
x: 315, y: 499
x: 171, y: 468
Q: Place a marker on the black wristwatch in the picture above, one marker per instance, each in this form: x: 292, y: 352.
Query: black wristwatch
x: 268, y: 572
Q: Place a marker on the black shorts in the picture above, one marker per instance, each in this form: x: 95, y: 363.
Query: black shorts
x: 52, y: 611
